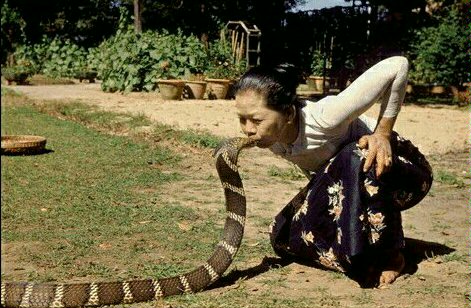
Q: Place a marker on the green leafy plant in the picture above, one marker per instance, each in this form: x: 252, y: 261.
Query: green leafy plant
x: 54, y: 58
x: 66, y: 59
x: 221, y: 62
x: 291, y: 174
x: 130, y: 62
x: 317, y: 63
x: 16, y: 73
x: 31, y: 55
x: 440, y: 53
x: 12, y: 32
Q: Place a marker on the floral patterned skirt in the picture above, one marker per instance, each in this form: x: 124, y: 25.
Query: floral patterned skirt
x: 346, y: 212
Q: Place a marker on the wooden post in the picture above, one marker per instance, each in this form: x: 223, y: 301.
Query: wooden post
x: 241, y: 49
x: 137, y: 17
x: 233, y: 42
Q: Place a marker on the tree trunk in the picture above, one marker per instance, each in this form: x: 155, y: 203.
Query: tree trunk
x: 137, y: 16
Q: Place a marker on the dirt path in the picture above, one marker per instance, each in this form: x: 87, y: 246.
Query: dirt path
x: 436, y: 130
x: 437, y: 273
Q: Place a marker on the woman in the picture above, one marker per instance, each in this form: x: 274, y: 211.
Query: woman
x: 362, y: 174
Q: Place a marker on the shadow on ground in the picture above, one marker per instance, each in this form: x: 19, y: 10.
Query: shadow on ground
x: 27, y: 153
x: 414, y: 252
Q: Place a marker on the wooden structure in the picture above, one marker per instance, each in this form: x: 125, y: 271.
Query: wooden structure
x: 245, y: 42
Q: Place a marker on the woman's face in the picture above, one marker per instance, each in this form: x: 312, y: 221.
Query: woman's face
x: 259, y: 122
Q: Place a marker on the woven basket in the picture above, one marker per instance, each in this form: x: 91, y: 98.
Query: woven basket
x: 22, y: 144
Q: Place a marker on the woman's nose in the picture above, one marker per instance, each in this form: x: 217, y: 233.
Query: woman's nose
x: 250, y: 128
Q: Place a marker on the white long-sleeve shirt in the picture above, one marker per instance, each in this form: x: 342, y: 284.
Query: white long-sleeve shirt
x: 334, y: 121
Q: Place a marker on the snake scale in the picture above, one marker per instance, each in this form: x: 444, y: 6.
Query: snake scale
x: 93, y: 294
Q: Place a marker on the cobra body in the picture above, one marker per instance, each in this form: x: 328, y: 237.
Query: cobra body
x: 37, y: 295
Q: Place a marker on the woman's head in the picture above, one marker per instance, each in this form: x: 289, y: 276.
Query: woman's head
x: 266, y: 104
x: 278, y: 84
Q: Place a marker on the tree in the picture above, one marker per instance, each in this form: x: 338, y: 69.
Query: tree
x: 440, y: 53
x: 12, y: 31
x: 86, y: 22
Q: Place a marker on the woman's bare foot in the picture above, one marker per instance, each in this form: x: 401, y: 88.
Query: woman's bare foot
x: 392, y: 269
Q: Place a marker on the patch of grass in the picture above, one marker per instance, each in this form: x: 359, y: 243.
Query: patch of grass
x: 363, y: 298
x: 337, y: 275
x: 189, y: 137
x: 290, y: 174
x: 455, y: 256
x: 45, y: 80
x: 448, y: 178
x: 203, y: 140
x: 112, y: 121
x: 438, y: 225
x: 91, y: 115
x: 241, y: 296
x: 80, y: 208
x: 278, y: 278
x: 10, y: 92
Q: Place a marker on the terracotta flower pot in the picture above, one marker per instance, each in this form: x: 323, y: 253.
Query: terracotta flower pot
x: 217, y: 88
x: 171, y: 89
x: 316, y: 83
x: 438, y: 90
x: 194, y: 89
x: 461, y: 94
x: 312, y: 82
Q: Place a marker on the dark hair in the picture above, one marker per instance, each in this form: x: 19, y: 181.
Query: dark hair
x: 278, y: 83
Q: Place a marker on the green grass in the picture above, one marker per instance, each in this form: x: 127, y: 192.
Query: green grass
x: 241, y: 296
x: 94, y: 190
x: 105, y: 205
x: 189, y: 137
x: 286, y: 174
x: 455, y: 256
x: 95, y: 207
x: 449, y: 178
x: 45, y: 80
x: 90, y: 115
x: 119, y: 122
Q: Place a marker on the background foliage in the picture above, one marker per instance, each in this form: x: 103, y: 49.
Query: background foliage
x: 130, y: 62
x: 440, y: 52
x: 87, y: 35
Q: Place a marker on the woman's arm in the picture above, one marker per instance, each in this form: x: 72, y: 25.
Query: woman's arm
x: 385, y: 82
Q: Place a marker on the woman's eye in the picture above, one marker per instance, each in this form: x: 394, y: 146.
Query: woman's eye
x: 257, y: 121
x: 242, y: 120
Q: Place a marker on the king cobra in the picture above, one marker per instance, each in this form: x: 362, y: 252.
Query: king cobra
x: 93, y: 294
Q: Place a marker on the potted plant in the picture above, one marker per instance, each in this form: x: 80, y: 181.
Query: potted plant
x: 218, y: 79
x: 170, y: 87
x: 195, y: 66
x: 85, y: 74
x: 316, y: 80
x: 222, y: 69
x: 195, y: 86
x: 16, y: 73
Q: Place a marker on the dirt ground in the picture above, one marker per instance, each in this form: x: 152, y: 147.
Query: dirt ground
x: 436, y: 130
x: 437, y: 272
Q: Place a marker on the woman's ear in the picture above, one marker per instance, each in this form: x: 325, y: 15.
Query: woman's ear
x: 291, y: 114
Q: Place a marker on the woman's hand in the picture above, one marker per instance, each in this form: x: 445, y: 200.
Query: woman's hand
x: 379, y: 151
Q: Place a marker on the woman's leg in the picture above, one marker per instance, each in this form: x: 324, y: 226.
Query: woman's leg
x: 350, y: 217
x: 392, y: 267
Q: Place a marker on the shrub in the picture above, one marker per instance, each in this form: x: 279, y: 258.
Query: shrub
x: 134, y: 62
x: 317, y: 63
x: 32, y: 56
x: 12, y: 32
x: 221, y: 61
x: 440, y: 53
x: 54, y: 58
x: 66, y: 59
x: 16, y: 73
